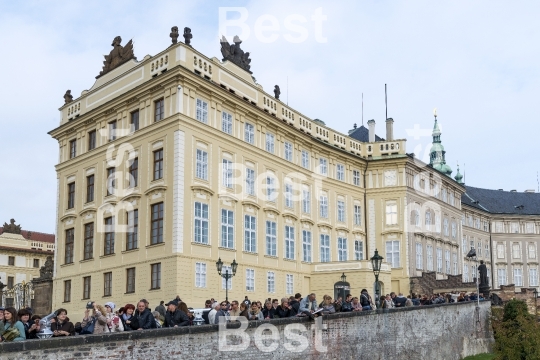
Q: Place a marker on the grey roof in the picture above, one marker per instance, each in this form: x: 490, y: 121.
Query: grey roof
x: 362, y: 134
x: 502, y: 202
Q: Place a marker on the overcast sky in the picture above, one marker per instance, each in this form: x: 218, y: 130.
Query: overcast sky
x: 477, y: 62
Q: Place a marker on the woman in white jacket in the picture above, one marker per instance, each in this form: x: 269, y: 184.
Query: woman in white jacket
x: 113, y: 321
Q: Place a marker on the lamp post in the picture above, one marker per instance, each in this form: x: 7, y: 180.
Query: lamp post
x: 343, y: 277
x: 376, y: 262
x: 226, y: 275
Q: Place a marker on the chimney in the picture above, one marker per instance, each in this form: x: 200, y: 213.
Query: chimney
x: 531, y: 191
x: 513, y: 190
x: 389, y: 129
x: 371, y: 124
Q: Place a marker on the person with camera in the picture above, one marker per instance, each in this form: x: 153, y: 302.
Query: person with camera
x: 142, y: 318
x: 113, y: 321
x: 61, y: 326
x: 95, y: 323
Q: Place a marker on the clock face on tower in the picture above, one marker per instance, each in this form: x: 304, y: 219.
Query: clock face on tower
x: 390, y: 178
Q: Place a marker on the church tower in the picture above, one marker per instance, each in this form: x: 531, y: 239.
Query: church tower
x: 437, y: 153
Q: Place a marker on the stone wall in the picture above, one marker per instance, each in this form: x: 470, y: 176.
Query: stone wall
x: 445, y: 332
x: 428, y: 284
x: 508, y: 292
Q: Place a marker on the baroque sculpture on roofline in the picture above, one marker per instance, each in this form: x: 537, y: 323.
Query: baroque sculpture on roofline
x: 118, y: 56
x: 68, y: 97
x: 187, y: 36
x: 234, y: 54
x: 12, y: 228
x: 174, y: 34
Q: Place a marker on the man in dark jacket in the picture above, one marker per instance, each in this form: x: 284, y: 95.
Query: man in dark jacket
x: 143, y: 318
x: 175, y: 317
x: 295, y: 304
x: 364, y: 300
x: 399, y: 301
x: 347, y: 306
x: 160, y: 308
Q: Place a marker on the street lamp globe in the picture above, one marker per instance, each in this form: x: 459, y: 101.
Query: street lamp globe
x: 343, y: 277
x: 219, y: 265
x: 234, y: 266
x: 376, y: 262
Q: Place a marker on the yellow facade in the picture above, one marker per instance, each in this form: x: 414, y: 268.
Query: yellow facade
x: 216, y: 113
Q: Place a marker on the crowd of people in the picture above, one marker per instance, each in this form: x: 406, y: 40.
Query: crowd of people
x: 98, y: 319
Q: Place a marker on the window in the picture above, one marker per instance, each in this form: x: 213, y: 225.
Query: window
x: 249, y: 133
x: 454, y: 229
x: 130, y: 280
x: 72, y: 148
x: 341, y: 211
x: 479, y: 249
x: 88, y: 241
x: 270, y: 189
x: 90, y: 188
x: 447, y: 262
x: 109, y: 236
x: 306, y: 245
x: 465, y: 273
x: 289, y: 242
x: 415, y: 218
x: 325, y: 248
x: 392, y: 253
x: 530, y: 228
x: 342, y: 249
x: 201, y: 223
x: 159, y: 110
x: 70, y: 238
x: 501, y: 276
x: 270, y: 282
x: 67, y: 290
x: 454, y: 262
x: 357, y: 215
x: 36, y: 263
x: 305, y: 159
x: 436, y: 191
x: 499, y: 227
x: 289, y: 284
x: 200, y: 275
x: 356, y: 177
x: 391, y: 213
x: 486, y: 250
x: 477, y: 223
x: 323, y: 206
x: 306, y: 201
x: 111, y: 181
x: 532, y: 251
x: 340, y: 172
x: 202, y: 111
x: 92, y: 140
x: 429, y: 252
x: 515, y: 227
x: 358, y: 250
x: 11, y: 260
x: 452, y: 198
x: 271, y: 238
x: 445, y: 222
x: 533, y: 277
x: 132, y: 230
x: 107, y: 282
x: 86, y: 287
x: 224, y: 283
x: 134, y: 121
x: 288, y: 196
x: 419, y: 256
x: 270, y: 142
x: 518, y: 277
x: 11, y: 282
x: 516, y: 253
x: 473, y: 273
x: 464, y: 244
x: 486, y: 226
x: 500, y: 251
x: 134, y: 173
x: 250, y: 238
x: 201, y: 170
x: 112, y: 130
x: 250, y: 182
x: 439, y: 260
x: 71, y: 196
x: 157, y: 224
x: 158, y: 164
x: 156, y: 276
x: 226, y: 122
x: 323, y: 168
x: 227, y: 173
x: 437, y: 223
x: 444, y: 193
x: 288, y: 151
x: 250, y: 280
x: 428, y: 220
x: 227, y: 229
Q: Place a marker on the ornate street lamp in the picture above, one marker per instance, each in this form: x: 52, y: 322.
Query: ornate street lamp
x: 343, y: 277
x: 226, y: 275
x: 376, y: 262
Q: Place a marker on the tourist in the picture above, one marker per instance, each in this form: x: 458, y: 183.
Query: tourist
x: 113, y: 321
x: 13, y: 329
x: 255, y: 313
x: 222, y: 312
x: 212, y: 313
x: 235, y: 309
x: 174, y: 317
x: 346, y: 306
x: 24, y: 318
x: 399, y: 301
x: 1, y: 319
x: 182, y: 306
x: 95, y: 323
x: 356, y: 306
x: 127, y: 317
x: 268, y: 310
x: 142, y: 318
x: 388, y: 303
x: 61, y: 326
x: 365, y: 300
x: 275, y: 303
x: 295, y: 304
x: 247, y: 302
x: 160, y: 308
x: 308, y: 306
x: 327, y: 305
x: 157, y: 319
x: 244, y: 310
x: 207, y: 305
x: 283, y: 310
x: 408, y: 302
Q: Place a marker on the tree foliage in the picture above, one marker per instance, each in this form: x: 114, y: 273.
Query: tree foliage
x: 517, y: 333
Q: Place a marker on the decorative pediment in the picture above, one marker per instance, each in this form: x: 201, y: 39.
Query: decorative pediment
x: 359, y: 232
x: 68, y: 219
x: 228, y: 197
x: 131, y: 197
x: 88, y: 211
x: 202, y: 189
x: 252, y: 204
x: 156, y: 191
x: 272, y: 210
x: 290, y: 215
x: 342, y: 228
x: 325, y: 225
x: 307, y: 221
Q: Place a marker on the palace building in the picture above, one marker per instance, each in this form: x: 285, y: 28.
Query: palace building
x: 170, y: 163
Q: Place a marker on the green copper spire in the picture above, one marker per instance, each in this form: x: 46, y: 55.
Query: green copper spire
x: 437, y: 153
x: 459, y: 177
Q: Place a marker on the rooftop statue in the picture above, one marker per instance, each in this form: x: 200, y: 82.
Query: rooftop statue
x: 68, y: 97
x: 187, y: 36
x: 234, y: 54
x: 118, y: 55
x: 174, y: 34
x: 12, y: 228
x: 277, y: 92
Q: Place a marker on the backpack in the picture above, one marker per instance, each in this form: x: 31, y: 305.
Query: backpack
x: 89, y: 328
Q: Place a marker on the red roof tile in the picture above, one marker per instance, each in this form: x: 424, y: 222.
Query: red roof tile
x: 36, y: 236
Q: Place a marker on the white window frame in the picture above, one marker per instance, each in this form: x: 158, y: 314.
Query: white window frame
x: 323, y: 166
x: 289, y: 283
x: 200, y: 275
x: 271, y: 193
x: 500, y: 251
x: 340, y: 172
x: 356, y: 177
x: 201, y: 111
x: 391, y: 213
x: 250, y: 181
x: 306, y: 246
x: 531, y: 251
x: 342, y: 249
x: 289, y: 242
x: 447, y: 262
x: 306, y: 201
x: 393, y: 253
x: 200, y: 216
x: 226, y: 123
x: 445, y: 226
x: 341, y: 211
x: 518, y: 277
x: 501, y: 276
x: 250, y: 233
x: 419, y: 256
x: 324, y: 248
x: 429, y: 252
x: 533, y: 277
x: 250, y: 279
x: 288, y: 151
x: 357, y: 215
x: 270, y: 282
x: 438, y: 252
x: 465, y: 273
x: 455, y: 263
x: 227, y: 173
x: 224, y: 283
x: 288, y: 195
x: 323, y: 207
x: 305, y: 159
x: 271, y: 238
x: 270, y: 142
x: 358, y: 250
x: 249, y: 133
x: 201, y: 169
x: 454, y: 229
x: 227, y: 229
x: 516, y: 251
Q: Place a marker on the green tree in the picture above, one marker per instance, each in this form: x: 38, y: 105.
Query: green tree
x: 517, y: 333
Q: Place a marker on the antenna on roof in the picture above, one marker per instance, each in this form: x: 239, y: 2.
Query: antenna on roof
x: 385, y: 102
x: 362, y: 109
